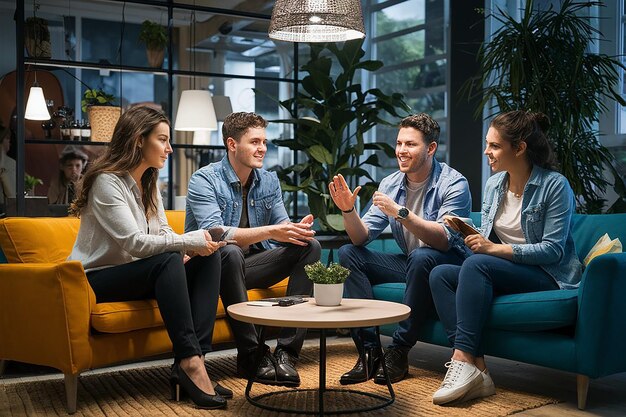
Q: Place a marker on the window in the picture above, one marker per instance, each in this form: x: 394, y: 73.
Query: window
x: 409, y: 37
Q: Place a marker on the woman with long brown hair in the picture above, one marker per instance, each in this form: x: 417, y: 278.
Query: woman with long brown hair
x: 129, y: 252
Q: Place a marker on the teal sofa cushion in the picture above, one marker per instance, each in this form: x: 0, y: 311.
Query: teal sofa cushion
x: 535, y: 311
x: 527, y: 312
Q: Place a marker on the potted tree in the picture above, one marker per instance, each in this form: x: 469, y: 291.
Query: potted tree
x: 103, y: 114
x: 37, y: 37
x: 542, y: 63
x: 327, y: 282
x: 332, y: 115
x: 154, y: 36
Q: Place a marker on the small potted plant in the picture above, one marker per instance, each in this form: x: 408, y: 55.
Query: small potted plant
x: 327, y: 282
x: 37, y: 37
x: 29, y: 184
x: 103, y: 113
x: 154, y: 36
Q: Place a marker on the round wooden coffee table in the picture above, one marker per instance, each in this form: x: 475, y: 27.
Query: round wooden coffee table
x: 350, y: 314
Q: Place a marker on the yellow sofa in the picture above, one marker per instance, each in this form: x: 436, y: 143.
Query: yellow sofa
x: 48, y: 311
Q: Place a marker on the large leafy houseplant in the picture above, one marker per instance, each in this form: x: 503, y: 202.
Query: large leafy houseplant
x: 542, y: 63
x: 332, y: 114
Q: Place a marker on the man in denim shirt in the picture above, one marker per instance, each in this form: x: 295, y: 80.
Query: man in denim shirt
x: 238, y: 195
x: 413, y: 202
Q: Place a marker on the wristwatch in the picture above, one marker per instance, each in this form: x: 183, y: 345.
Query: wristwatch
x: 403, y: 213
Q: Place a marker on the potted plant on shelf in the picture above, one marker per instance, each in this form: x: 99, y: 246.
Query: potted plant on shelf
x: 154, y: 36
x: 103, y: 113
x: 29, y: 184
x: 332, y: 114
x: 327, y: 282
x: 541, y: 62
x: 37, y: 37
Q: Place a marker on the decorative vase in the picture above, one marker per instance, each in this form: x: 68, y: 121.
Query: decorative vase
x: 155, y: 57
x: 103, y: 120
x: 328, y: 294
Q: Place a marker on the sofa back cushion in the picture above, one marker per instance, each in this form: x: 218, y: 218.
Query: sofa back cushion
x: 50, y: 239
x: 38, y: 239
x: 588, y: 228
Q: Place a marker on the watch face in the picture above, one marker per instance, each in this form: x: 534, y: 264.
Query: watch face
x: 403, y: 213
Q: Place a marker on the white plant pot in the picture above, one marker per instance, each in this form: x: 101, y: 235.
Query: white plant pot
x: 328, y: 294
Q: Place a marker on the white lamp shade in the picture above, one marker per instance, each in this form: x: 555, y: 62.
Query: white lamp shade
x: 36, y: 108
x: 195, y: 111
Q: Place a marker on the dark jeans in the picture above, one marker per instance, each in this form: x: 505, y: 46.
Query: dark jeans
x: 262, y: 270
x: 369, y: 268
x: 187, y: 295
x: 463, y: 294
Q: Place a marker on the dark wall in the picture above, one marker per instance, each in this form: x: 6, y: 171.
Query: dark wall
x: 466, y: 132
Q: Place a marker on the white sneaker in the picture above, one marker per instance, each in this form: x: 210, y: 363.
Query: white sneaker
x: 485, y: 389
x: 461, y: 378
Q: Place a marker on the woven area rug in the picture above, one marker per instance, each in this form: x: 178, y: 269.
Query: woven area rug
x: 145, y: 392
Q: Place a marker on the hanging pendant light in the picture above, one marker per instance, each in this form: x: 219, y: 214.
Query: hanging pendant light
x: 36, y: 108
x: 317, y: 20
x: 195, y: 111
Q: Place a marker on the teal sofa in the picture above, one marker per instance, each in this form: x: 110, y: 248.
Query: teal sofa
x: 581, y: 331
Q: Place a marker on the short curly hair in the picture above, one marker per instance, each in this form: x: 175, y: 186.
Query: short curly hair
x: 424, y: 123
x: 236, y: 124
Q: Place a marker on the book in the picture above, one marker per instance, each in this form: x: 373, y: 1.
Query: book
x: 461, y: 225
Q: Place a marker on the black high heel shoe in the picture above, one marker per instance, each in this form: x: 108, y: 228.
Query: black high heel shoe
x: 219, y: 389
x: 181, y: 383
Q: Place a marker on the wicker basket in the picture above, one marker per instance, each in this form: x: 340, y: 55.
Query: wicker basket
x: 103, y: 120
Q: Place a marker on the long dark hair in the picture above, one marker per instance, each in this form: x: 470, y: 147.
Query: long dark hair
x: 521, y: 126
x: 124, y: 154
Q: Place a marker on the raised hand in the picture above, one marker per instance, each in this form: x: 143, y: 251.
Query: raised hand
x: 343, y: 198
x: 385, y: 204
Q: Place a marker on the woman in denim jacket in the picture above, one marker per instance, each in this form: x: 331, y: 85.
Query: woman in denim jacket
x: 525, y: 244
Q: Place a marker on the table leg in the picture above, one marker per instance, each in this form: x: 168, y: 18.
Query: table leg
x: 322, y: 382
x: 321, y: 386
x: 382, y: 363
x: 259, y: 355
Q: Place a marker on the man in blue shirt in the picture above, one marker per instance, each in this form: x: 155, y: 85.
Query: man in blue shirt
x: 412, y: 201
x: 238, y: 195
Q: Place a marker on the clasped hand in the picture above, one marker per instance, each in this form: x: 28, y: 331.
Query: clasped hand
x: 296, y: 233
x: 385, y: 204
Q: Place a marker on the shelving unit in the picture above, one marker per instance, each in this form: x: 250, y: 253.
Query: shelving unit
x: 171, y: 71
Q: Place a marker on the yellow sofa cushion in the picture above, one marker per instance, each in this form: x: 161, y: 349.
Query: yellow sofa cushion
x: 126, y: 316
x: 38, y: 240
x: 50, y: 239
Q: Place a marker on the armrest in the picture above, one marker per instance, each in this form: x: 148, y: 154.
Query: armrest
x: 45, y: 311
x: 600, y: 335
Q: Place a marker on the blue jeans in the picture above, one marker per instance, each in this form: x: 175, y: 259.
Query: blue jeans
x: 463, y: 294
x: 369, y: 268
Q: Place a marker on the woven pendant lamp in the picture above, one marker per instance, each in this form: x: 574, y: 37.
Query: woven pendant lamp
x: 317, y: 20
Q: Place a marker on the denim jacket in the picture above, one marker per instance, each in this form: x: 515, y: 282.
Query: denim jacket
x: 214, y: 198
x: 547, y: 208
x: 446, y: 192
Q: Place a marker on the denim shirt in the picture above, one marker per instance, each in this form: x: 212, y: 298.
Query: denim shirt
x: 447, y: 192
x: 547, y: 208
x: 214, y: 198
